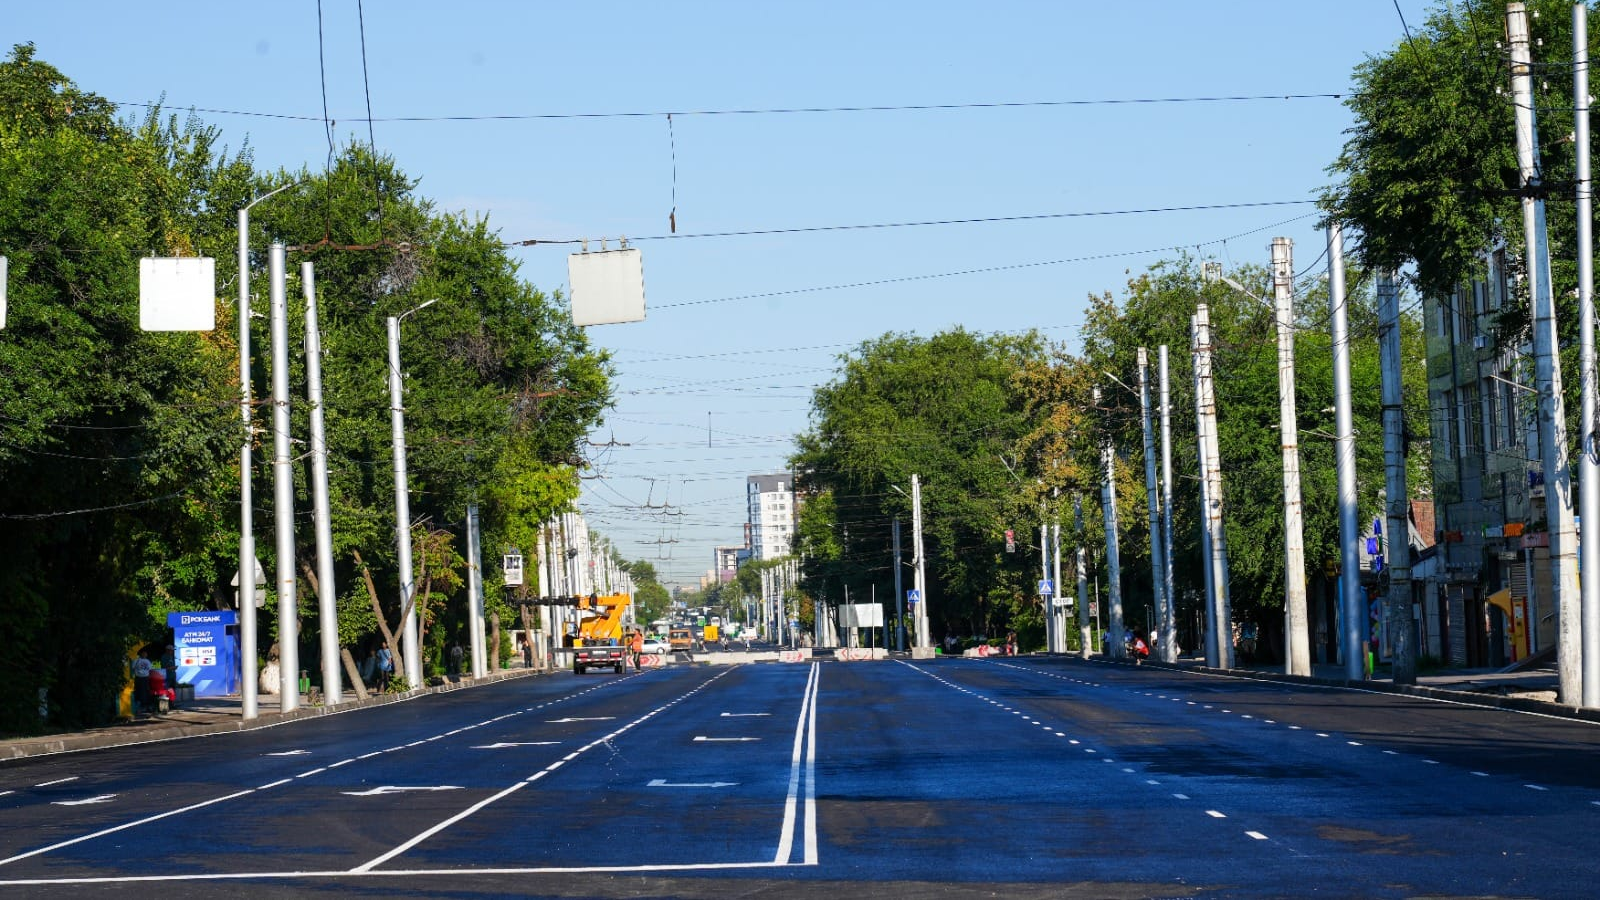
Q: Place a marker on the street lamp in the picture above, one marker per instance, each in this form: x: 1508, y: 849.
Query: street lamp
x: 248, y: 687
x: 411, y: 650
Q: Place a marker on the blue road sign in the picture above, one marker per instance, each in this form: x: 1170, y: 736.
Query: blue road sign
x: 1047, y: 587
x: 913, y: 596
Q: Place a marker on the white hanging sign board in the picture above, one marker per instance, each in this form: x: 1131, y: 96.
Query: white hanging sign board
x: 178, y: 294
x: 607, y: 287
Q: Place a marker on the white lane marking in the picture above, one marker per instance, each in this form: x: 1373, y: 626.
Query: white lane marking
x: 1214, y: 814
x: 728, y: 715
x: 126, y: 825
x: 1129, y: 771
x: 1247, y: 715
x: 1090, y: 750
x: 1431, y: 762
x: 417, y: 743
x: 1257, y: 835
x: 1535, y: 787
x: 473, y: 809
x: 407, y: 873
x: 396, y: 789
x: 103, y: 798
x: 1353, y: 743
x: 57, y: 781
x: 372, y: 754
x: 791, y: 802
x: 312, y: 772
x: 272, y: 784
x: 4, y: 793
x: 730, y: 740
x: 505, y: 744
x: 1392, y: 752
x: 342, y: 762
x: 289, y: 753
x: 1151, y: 781
x: 1481, y: 774
x: 1269, y: 721
x: 580, y: 719
x: 1180, y: 796
x: 1322, y: 734
x: 662, y: 782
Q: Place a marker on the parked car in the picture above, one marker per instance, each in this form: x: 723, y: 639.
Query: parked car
x: 655, y: 647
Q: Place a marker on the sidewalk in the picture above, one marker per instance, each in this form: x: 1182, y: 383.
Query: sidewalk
x: 212, y: 715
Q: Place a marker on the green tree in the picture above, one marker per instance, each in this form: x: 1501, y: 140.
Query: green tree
x: 945, y: 408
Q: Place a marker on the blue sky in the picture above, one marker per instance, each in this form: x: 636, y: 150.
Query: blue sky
x: 715, y: 383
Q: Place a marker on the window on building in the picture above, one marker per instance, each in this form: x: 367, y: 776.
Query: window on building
x: 1508, y: 409
x: 1470, y: 433
x: 1444, y: 417
x: 1497, y: 278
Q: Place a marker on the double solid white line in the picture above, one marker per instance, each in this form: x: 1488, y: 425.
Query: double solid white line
x: 803, y: 760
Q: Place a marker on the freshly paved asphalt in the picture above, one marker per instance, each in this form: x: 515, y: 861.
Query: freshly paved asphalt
x: 1019, y: 777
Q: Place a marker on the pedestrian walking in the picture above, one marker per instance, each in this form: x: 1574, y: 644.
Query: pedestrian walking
x: 141, y: 682
x: 455, y: 658
x: 385, y: 666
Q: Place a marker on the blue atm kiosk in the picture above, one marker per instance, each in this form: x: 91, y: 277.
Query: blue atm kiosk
x: 207, y: 651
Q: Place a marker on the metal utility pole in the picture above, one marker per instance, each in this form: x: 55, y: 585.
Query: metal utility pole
x: 1297, y: 635
x: 1344, y: 456
x: 327, y: 611
x: 1081, y: 564
x: 1547, y: 367
x: 899, y: 595
x: 283, y: 490
x: 248, y: 650
x: 1397, y: 555
x: 1169, y: 621
x: 1589, y: 453
x: 919, y: 560
x: 1206, y: 399
x: 1209, y: 641
x: 475, y: 593
x: 1057, y: 618
x: 1108, y: 504
x: 411, y: 651
x: 1152, y: 493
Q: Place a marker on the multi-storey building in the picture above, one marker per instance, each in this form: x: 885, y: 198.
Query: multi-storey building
x: 1491, y: 598
x: 770, y: 506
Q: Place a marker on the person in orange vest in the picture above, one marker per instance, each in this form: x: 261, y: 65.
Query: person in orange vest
x: 636, y: 649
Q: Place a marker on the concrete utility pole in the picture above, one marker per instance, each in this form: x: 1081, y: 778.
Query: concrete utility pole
x: 1344, y: 457
x: 1044, y: 574
x: 919, y: 560
x: 475, y: 594
x: 1108, y: 503
x: 327, y: 610
x: 1168, y: 648
x: 1209, y: 642
x: 1397, y: 556
x: 1152, y: 491
x: 1547, y: 367
x: 1081, y: 564
x: 1589, y: 453
x: 283, y: 490
x: 899, y: 595
x: 1206, y: 399
x: 411, y: 650
x: 1057, y: 618
x: 1297, y: 636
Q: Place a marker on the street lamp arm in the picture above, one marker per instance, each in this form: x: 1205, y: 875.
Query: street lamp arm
x: 418, y: 308
x: 271, y: 193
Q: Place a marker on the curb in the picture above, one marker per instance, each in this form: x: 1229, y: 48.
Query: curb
x: 1469, y: 698
x: 23, y: 748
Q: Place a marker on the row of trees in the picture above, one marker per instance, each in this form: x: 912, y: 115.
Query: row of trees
x: 119, y: 448
x: 1003, y: 427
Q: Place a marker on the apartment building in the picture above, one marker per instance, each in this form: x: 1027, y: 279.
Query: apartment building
x: 771, y: 512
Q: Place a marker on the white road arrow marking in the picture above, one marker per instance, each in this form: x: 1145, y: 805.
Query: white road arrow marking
x: 733, y: 739
x: 103, y: 798
x: 289, y: 753
x: 577, y: 719
x: 504, y: 744
x: 662, y: 782
x: 743, y: 715
x: 393, y: 789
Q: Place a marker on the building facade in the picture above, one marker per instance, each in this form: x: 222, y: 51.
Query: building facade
x: 771, y: 515
x: 1490, y: 600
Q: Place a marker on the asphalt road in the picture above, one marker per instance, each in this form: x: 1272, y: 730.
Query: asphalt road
x: 949, y: 778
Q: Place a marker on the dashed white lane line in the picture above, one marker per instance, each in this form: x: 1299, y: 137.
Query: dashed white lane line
x: 312, y: 772
x: 1257, y: 835
x: 1486, y: 775
x: 1214, y: 814
x: 1180, y: 796
x: 57, y: 781
x: 1535, y: 787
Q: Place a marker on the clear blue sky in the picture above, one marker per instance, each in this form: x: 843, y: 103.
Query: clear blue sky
x: 737, y: 374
